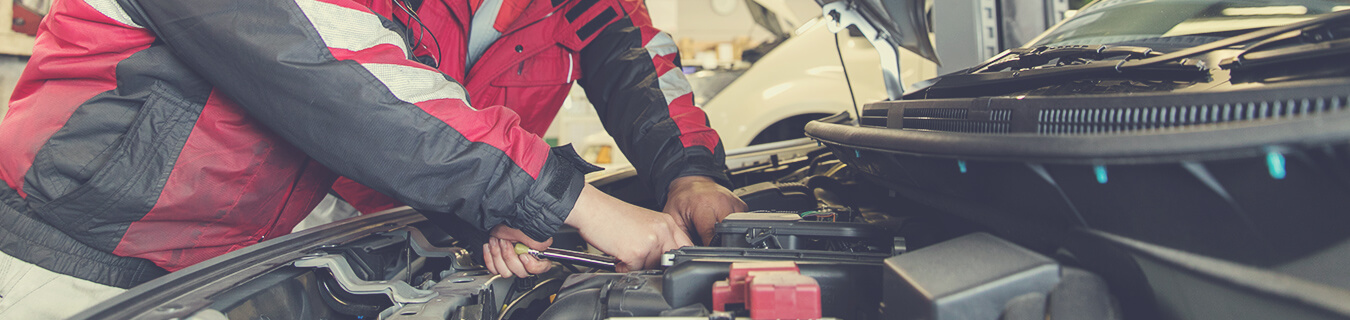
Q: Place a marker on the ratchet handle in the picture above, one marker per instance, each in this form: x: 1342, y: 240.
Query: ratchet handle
x: 571, y: 257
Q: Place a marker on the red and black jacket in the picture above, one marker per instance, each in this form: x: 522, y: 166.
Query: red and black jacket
x: 149, y: 135
x: 630, y: 71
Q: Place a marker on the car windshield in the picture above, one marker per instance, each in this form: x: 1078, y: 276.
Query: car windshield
x: 1181, y: 22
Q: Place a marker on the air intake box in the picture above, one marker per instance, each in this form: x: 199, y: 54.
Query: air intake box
x: 970, y: 277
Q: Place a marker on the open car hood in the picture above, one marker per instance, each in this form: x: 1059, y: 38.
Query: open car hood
x: 888, y: 25
x: 903, y: 23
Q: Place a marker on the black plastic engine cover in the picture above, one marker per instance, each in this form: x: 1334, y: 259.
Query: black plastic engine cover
x: 777, y: 196
x: 970, y: 277
x: 605, y: 295
x: 787, y: 230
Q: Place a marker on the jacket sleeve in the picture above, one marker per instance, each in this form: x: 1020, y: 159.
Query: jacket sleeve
x: 631, y: 73
x: 337, y: 81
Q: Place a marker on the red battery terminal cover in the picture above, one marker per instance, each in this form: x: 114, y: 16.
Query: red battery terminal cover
x: 770, y: 290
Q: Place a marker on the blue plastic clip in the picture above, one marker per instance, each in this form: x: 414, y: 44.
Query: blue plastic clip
x: 1101, y: 173
x: 1275, y: 161
x: 961, y: 164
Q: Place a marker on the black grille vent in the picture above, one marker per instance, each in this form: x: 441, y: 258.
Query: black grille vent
x: 1081, y: 121
x: 942, y: 113
x: 874, y: 117
x: 958, y: 120
x: 1004, y: 115
x: 1115, y: 114
x: 957, y: 125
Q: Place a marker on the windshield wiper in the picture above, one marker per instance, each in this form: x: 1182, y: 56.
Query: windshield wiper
x: 1309, y: 43
x: 1023, y: 58
x: 1175, y: 65
x: 1257, y: 35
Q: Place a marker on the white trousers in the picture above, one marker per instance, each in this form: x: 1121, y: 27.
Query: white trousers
x: 31, y: 292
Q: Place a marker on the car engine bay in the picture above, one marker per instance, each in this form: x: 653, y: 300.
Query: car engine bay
x: 1152, y: 186
x: 818, y: 243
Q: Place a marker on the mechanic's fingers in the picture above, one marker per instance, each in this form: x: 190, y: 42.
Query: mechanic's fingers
x: 708, y: 223
x: 690, y: 229
x: 502, y: 268
x: 705, y: 233
x: 652, y: 260
x: 487, y: 258
x: 490, y: 255
x: 504, y: 232
x: 641, y: 263
x: 680, y: 238
x: 676, y: 211
x: 536, y: 245
x: 512, y: 260
x: 534, y: 265
x: 630, y: 262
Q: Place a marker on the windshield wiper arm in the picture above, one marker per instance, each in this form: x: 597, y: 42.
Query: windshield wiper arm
x: 1022, y: 58
x: 1171, y: 65
x: 1291, y: 53
x: 1257, y: 35
x: 1310, y: 43
x: 993, y: 83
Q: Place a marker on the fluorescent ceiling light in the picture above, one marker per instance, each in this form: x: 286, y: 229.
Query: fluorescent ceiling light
x: 1266, y: 11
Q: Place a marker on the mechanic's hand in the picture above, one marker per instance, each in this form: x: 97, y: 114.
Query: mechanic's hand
x: 636, y: 236
x: 500, y: 254
x: 698, y: 203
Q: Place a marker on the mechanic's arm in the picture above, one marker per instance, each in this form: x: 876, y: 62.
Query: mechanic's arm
x: 631, y: 73
x: 330, y: 78
x: 637, y: 236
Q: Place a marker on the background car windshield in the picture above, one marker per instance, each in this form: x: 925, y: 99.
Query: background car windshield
x: 1184, y: 21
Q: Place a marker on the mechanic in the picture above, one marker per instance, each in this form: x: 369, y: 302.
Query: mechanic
x: 149, y: 135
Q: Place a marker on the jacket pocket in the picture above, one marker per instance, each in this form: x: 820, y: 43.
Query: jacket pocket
x: 553, y: 66
x: 126, y: 179
x: 535, y: 87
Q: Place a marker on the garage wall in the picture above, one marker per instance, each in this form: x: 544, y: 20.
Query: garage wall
x: 700, y: 21
x: 10, y: 68
x: 14, y: 51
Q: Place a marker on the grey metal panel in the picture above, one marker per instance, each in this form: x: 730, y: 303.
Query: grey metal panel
x: 965, y: 32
